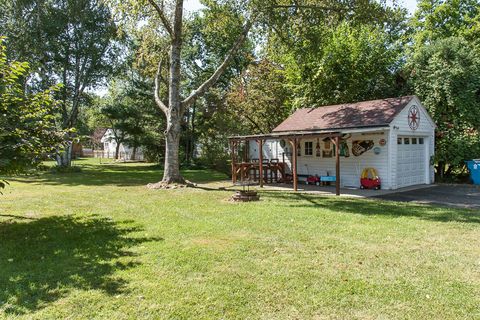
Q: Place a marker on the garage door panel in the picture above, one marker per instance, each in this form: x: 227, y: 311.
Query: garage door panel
x: 410, y: 162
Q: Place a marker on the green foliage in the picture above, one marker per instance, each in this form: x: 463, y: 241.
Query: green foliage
x: 336, y: 52
x: 71, y: 42
x: 131, y: 113
x: 27, y: 121
x: 356, y: 63
x: 436, y: 20
x: 260, y: 98
x: 446, y: 77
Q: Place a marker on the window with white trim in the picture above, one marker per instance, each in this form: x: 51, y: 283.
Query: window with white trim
x: 309, y: 148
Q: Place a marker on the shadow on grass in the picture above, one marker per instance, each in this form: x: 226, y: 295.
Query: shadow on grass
x: 43, y: 259
x: 120, y: 174
x: 371, y: 207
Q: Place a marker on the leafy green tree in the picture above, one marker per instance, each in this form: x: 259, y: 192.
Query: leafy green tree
x: 337, y: 52
x: 27, y: 122
x: 71, y: 42
x: 436, y: 20
x: 172, y: 96
x: 260, y: 99
x: 446, y: 77
x: 356, y: 63
x: 130, y: 112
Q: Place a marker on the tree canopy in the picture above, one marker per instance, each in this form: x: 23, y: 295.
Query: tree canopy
x: 27, y: 123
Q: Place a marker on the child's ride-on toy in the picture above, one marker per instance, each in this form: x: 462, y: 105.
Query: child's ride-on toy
x: 313, y: 180
x: 370, y: 179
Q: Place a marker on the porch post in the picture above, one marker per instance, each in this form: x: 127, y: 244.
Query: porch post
x: 234, y: 176
x: 294, y: 165
x: 337, y: 165
x: 245, y: 151
x: 260, y: 160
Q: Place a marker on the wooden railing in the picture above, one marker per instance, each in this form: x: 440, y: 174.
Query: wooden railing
x: 272, y: 171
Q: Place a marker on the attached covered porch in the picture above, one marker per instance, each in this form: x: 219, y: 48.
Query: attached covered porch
x: 263, y: 169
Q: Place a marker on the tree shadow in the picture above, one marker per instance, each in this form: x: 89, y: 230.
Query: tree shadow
x: 122, y: 175
x: 41, y: 260
x: 370, y: 207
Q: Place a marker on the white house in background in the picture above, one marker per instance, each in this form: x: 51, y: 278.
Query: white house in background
x: 126, y: 152
x: 396, y: 136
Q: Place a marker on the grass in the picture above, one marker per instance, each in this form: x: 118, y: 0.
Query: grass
x: 98, y: 244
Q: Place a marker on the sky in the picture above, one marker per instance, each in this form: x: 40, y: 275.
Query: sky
x: 194, y: 5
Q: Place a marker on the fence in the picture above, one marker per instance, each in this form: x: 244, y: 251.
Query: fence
x: 125, y: 156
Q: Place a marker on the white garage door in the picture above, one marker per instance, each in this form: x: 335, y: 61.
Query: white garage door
x: 410, y: 161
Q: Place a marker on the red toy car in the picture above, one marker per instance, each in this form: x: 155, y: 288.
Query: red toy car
x: 370, y: 179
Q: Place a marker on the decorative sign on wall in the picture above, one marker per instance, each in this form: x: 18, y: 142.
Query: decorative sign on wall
x: 377, y: 150
x: 328, y: 143
x: 299, y: 149
x: 317, y: 153
x: 327, y: 153
x: 382, y: 142
x: 344, y: 152
x: 359, y: 147
x: 413, y: 117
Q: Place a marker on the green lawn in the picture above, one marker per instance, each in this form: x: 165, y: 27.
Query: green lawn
x: 99, y: 244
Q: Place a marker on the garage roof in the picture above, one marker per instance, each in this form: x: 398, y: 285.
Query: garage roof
x: 374, y: 113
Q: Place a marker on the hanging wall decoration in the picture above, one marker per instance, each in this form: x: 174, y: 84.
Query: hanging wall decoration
x: 318, y: 148
x: 413, y: 117
x: 299, y: 149
x: 327, y: 153
x: 359, y: 147
x: 344, y: 152
x: 328, y: 143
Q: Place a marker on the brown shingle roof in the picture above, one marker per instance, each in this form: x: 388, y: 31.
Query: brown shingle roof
x: 351, y: 115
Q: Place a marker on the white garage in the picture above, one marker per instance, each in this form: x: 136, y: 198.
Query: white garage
x: 395, y: 136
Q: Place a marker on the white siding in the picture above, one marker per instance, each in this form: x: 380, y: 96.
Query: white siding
x: 350, y: 167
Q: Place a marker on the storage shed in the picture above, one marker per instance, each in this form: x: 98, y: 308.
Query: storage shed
x: 396, y: 136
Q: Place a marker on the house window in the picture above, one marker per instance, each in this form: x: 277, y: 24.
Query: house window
x: 414, y: 140
x: 406, y: 140
x: 309, y: 148
x: 420, y: 141
x: 399, y: 140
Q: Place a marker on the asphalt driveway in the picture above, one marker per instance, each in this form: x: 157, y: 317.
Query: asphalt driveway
x: 458, y: 196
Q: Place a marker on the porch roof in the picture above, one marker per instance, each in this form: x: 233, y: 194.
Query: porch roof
x: 309, y: 133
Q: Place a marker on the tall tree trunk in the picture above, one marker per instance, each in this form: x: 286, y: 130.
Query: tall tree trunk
x: 171, y: 173
x: 134, y: 153
x: 117, y: 150
x: 64, y: 157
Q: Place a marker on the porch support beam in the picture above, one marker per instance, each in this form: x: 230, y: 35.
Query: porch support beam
x: 260, y: 160
x: 337, y: 166
x: 294, y: 142
x: 234, y: 167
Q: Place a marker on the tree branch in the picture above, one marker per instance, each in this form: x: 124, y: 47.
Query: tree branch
x: 220, y: 70
x: 159, y: 101
x: 162, y: 16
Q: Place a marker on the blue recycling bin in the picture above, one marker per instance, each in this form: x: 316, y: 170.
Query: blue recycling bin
x: 474, y: 168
